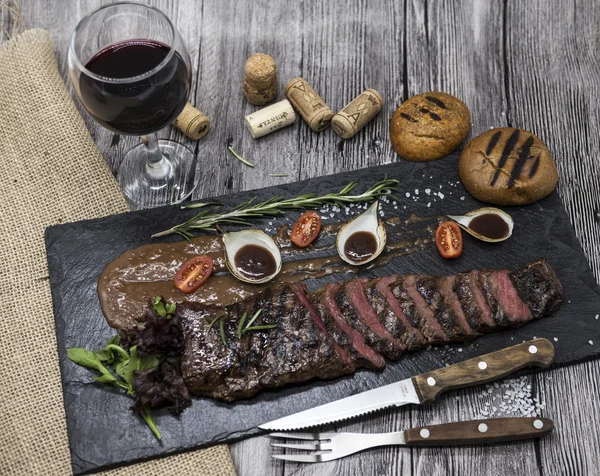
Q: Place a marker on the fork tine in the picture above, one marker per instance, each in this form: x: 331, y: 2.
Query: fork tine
x: 298, y: 458
x: 296, y: 436
x: 298, y: 447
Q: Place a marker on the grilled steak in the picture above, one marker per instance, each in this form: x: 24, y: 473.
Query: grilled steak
x: 295, y: 351
x: 344, y: 332
x: 539, y: 288
x: 340, y: 327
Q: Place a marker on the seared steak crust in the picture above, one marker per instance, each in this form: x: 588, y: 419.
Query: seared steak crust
x: 341, y: 327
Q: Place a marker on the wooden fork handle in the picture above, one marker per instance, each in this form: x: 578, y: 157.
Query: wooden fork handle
x: 479, y: 431
x: 483, y: 369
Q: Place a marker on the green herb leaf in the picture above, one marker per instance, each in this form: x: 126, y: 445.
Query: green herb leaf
x: 147, y: 416
x: 241, y: 325
x: 212, y: 323
x: 260, y: 328
x: 159, y: 306
x: 85, y: 358
x: 240, y: 158
x: 222, y: 329
x: 254, y: 317
x: 118, y: 349
x: 106, y: 356
x: 171, y: 308
x: 114, y: 341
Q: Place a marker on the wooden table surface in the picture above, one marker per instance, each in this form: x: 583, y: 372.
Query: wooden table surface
x: 529, y: 64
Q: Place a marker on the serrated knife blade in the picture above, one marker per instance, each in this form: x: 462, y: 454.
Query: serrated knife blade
x: 425, y: 387
x: 394, y: 394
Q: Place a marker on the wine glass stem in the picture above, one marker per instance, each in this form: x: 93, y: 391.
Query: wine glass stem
x: 156, y: 164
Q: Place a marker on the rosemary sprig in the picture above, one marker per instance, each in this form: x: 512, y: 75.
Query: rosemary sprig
x: 278, y: 175
x: 249, y: 327
x: 212, y: 323
x: 240, y: 327
x: 240, y: 158
x: 205, y: 220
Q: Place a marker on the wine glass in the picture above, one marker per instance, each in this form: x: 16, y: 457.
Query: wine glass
x: 132, y: 73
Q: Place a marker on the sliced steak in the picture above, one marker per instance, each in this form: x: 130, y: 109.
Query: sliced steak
x: 539, y: 288
x: 505, y: 293
x: 302, y: 295
x: 342, y: 332
x: 295, y: 351
x: 439, y: 297
x: 416, y: 310
x: 473, y: 303
x: 390, y: 315
x: 376, y: 335
x: 484, y: 280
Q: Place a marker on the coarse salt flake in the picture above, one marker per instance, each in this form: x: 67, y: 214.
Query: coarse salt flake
x: 407, y: 194
x: 441, y: 195
x: 591, y: 342
x: 427, y: 191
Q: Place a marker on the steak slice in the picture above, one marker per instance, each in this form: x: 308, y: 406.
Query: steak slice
x: 539, y: 288
x: 295, y: 351
x: 390, y: 314
x: 302, y: 295
x: 441, y: 300
x: 342, y: 332
x: 473, y: 303
x: 505, y: 293
x: 354, y: 306
x: 416, y: 310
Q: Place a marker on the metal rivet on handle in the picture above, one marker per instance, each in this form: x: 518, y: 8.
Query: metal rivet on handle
x: 482, y: 365
x: 431, y: 381
x: 482, y: 428
x: 424, y: 433
x: 538, y: 424
x: 532, y: 349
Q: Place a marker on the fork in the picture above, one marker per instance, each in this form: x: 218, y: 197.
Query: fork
x: 332, y: 446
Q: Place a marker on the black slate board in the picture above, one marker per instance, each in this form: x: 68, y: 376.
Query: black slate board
x: 103, y: 432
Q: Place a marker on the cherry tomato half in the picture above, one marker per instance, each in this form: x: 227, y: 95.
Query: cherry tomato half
x: 448, y: 239
x: 193, y: 273
x: 306, y: 229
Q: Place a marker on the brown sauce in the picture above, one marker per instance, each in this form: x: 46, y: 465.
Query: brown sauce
x: 489, y: 225
x: 255, y: 262
x: 138, y: 274
x: 360, y: 246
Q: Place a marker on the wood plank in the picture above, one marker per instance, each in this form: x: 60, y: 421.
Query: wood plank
x: 450, y: 48
x: 554, y: 82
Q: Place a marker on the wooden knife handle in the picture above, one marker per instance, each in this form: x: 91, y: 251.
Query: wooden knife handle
x: 494, y: 430
x: 488, y: 367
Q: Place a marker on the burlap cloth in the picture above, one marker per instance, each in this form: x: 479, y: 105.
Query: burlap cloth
x: 50, y: 172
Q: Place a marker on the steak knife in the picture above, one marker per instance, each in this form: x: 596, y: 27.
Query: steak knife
x: 425, y: 387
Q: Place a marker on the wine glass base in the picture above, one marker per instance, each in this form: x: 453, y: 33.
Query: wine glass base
x: 168, y: 182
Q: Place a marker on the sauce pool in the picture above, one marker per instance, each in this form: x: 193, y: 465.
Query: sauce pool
x: 490, y: 225
x: 360, y: 246
x: 255, y: 262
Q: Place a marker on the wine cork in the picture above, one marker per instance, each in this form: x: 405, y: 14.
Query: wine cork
x: 192, y: 122
x: 267, y: 120
x: 261, y: 71
x: 260, y: 79
x: 309, y: 104
x: 355, y: 115
x: 259, y: 97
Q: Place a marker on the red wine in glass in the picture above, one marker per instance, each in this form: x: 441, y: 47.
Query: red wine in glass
x: 132, y: 72
x: 135, y: 107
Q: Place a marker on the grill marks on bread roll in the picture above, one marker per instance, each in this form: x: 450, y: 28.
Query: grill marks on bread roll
x: 429, y: 126
x: 508, y: 167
